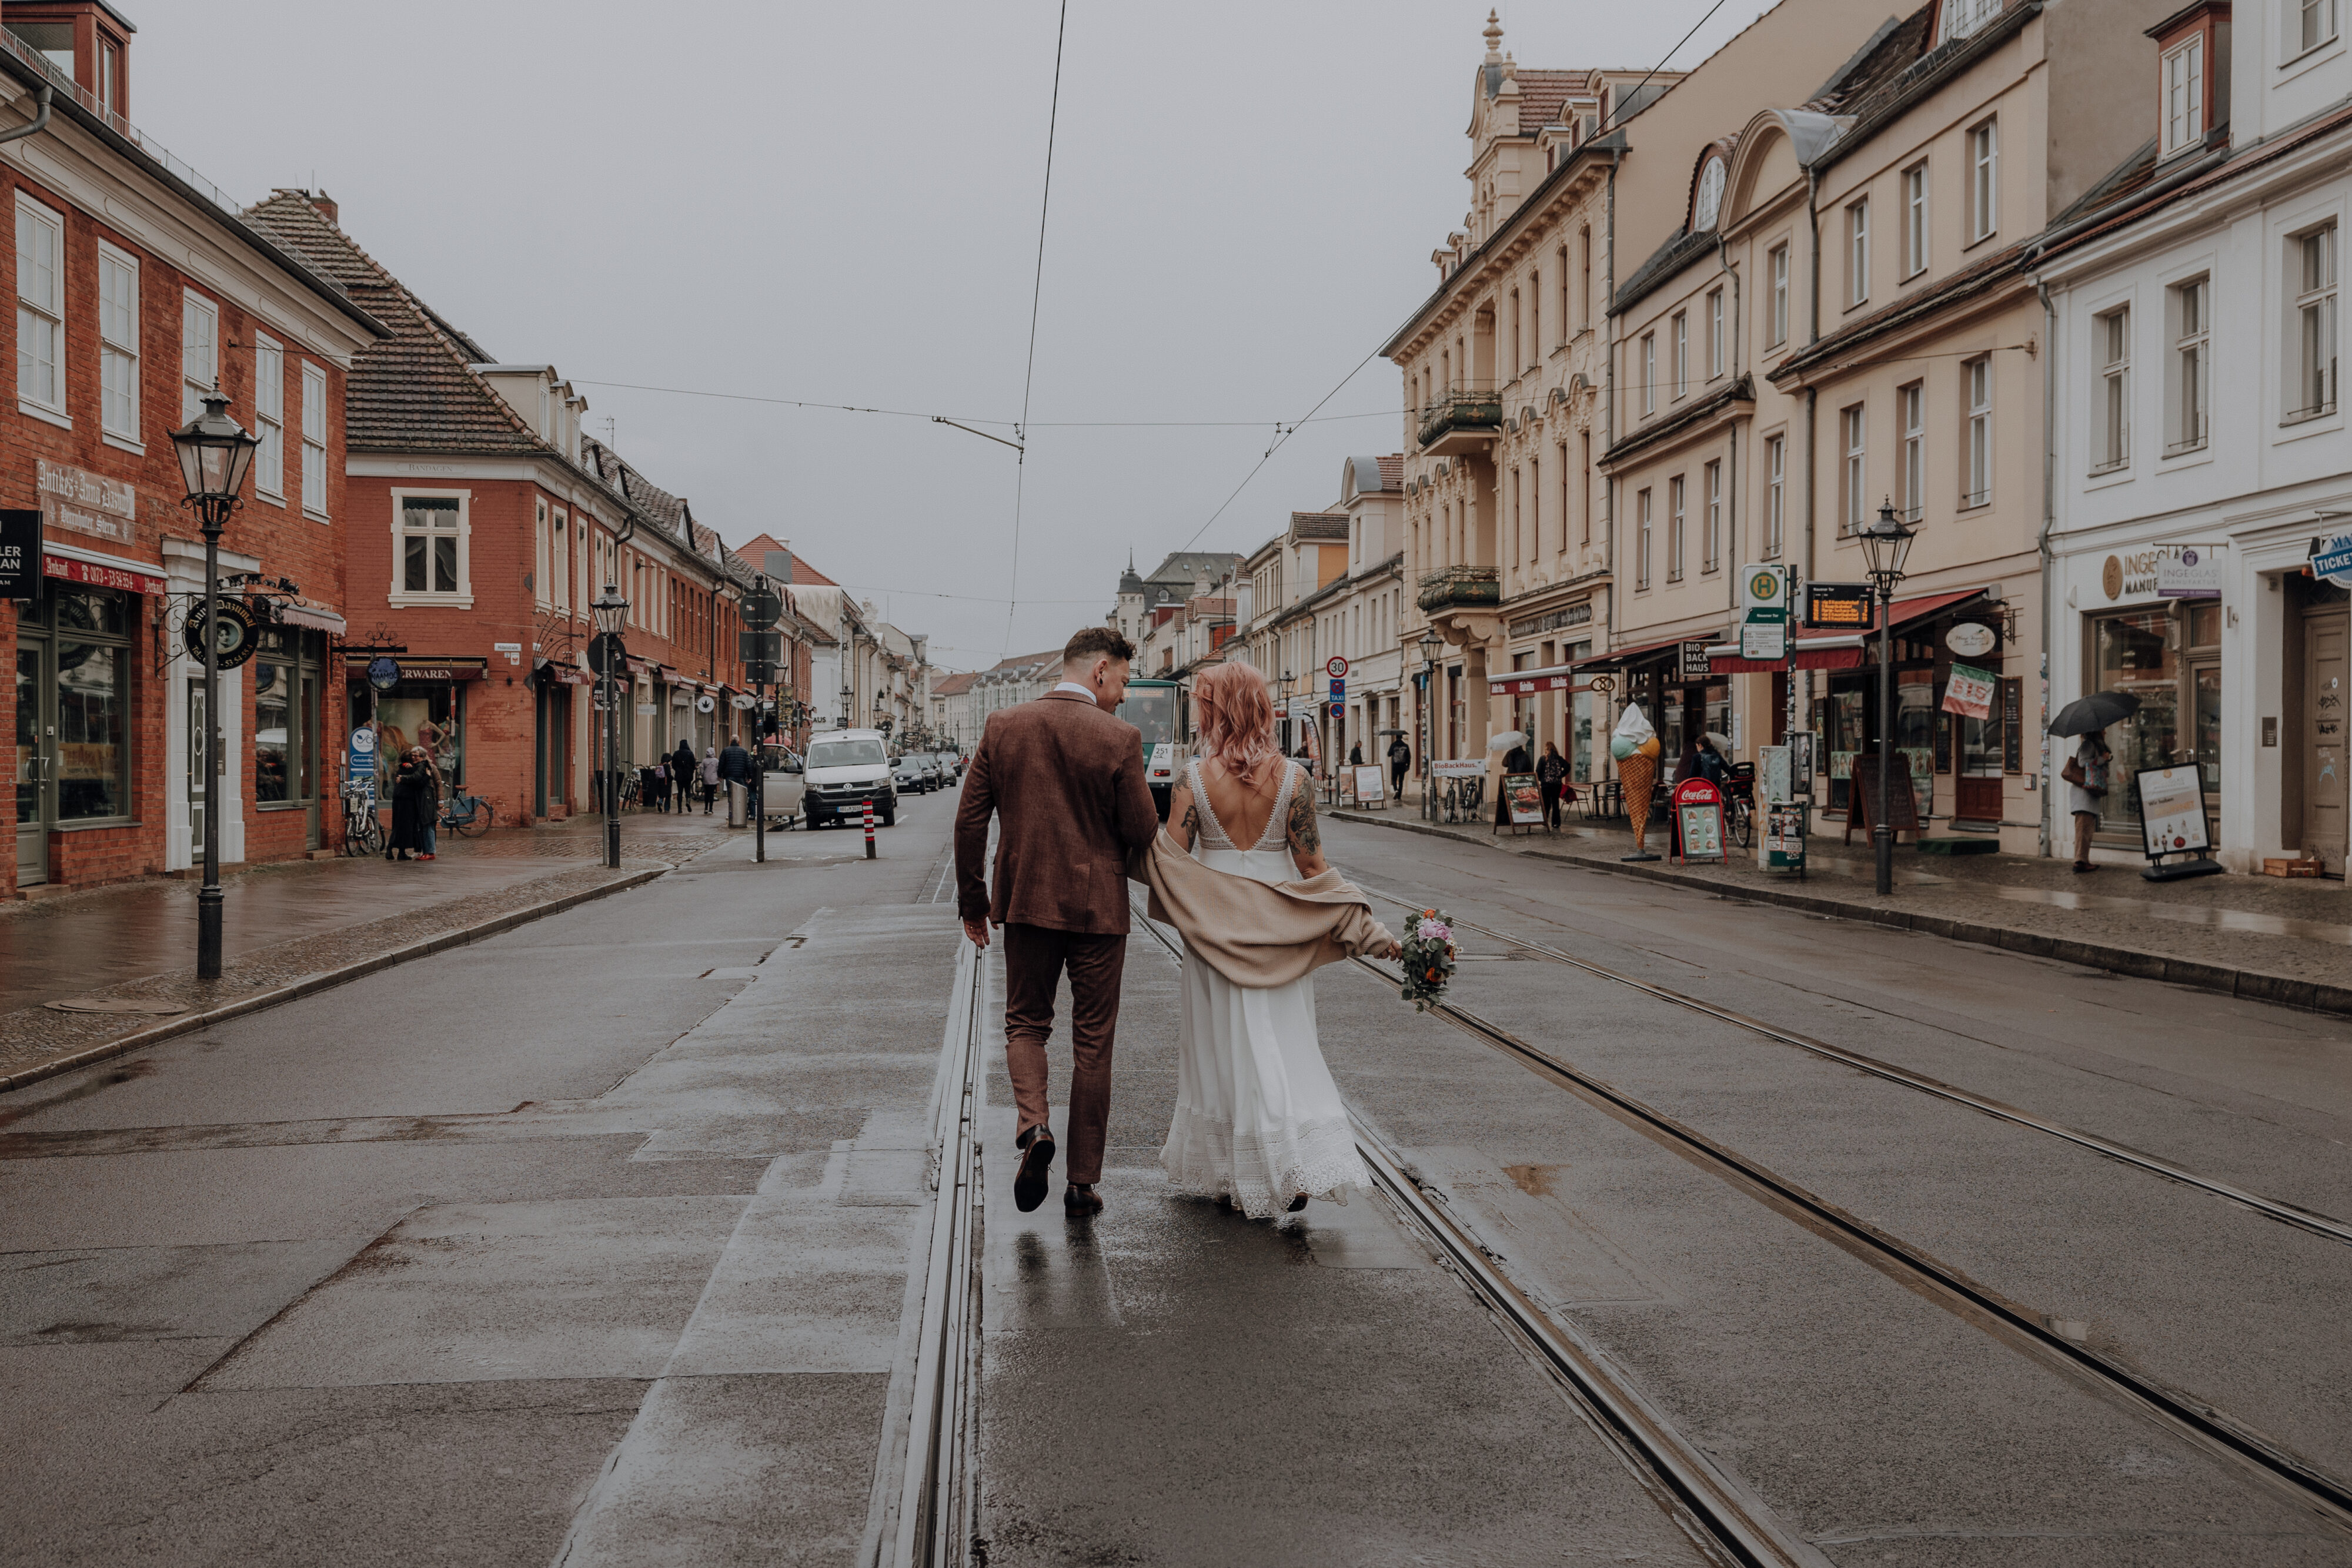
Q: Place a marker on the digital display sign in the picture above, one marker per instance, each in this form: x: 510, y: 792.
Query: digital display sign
x: 1839, y: 606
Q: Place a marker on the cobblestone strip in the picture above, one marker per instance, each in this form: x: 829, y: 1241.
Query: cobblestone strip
x: 2254, y: 985
x: 36, y: 1043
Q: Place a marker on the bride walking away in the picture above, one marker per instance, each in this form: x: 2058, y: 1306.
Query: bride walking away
x: 1259, y: 1124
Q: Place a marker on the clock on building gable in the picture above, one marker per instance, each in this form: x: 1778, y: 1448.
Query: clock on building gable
x: 1709, y: 204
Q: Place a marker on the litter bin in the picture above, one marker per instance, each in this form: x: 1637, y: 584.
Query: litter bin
x: 737, y: 801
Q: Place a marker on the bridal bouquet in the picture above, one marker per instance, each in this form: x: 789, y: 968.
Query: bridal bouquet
x: 1428, y: 959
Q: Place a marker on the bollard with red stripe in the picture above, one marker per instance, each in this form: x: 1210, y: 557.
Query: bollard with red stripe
x: 869, y: 829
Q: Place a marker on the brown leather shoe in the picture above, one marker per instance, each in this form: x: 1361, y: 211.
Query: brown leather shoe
x: 1036, y: 1147
x: 1078, y: 1199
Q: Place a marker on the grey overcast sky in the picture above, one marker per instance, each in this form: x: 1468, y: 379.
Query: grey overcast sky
x: 839, y: 204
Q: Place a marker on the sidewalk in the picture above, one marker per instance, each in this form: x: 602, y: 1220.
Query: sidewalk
x: 2265, y: 938
x: 125, y: 955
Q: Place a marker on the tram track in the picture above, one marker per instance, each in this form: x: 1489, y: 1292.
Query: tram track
x: 2252, y: 1451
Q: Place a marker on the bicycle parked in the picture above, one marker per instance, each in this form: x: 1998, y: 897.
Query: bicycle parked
x: 467, y: 816
x: 362, y: 829
x: 1740, y: 804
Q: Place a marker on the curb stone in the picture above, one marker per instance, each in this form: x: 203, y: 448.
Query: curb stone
x: 325, y: 979
x: 2253, y: 984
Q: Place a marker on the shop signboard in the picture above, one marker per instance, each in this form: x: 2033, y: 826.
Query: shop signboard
x: 1345, y: 783
x: 1698, y: 814
x: 1697, y: 664
x: 96, y: 574
x: 1838, y: 606
x: 1971, y: 639
x: 2172, y: 811
x: 383, y: 673
x: 705, y: 702
x: 1458, y: 768
x: 1370, y: 789
x: 1524, y: 795
x: 2331, y: 559
x: 87, y: 503
x: 1970, y: 692
x: 2194, y: 572
x: 20, y: 554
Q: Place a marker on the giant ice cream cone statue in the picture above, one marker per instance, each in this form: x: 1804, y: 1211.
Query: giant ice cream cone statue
x: 1639, y: 774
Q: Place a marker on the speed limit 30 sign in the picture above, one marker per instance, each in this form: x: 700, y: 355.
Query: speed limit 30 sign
x: 1335, y: 666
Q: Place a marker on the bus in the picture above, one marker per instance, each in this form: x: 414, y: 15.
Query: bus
x: 1157, y: 707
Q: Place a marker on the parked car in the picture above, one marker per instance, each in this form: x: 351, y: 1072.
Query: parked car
x: 846, y: 768
x: 935, y: 770
x: 783, y: 784
x: 907, y: 773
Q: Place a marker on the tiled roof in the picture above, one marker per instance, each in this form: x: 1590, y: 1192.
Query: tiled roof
x: 1543, y: 94
x: 1191, y: 566
x: 1318, y: 525
x: 756, y: 548
x: 952, y: 686
x: 411, y: 391
x: 1392, y: 471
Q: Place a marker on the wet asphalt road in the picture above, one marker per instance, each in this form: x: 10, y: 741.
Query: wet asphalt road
x: 589, y: 1243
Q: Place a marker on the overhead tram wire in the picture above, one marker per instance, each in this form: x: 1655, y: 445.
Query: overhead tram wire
x: 1282, y: 432
x: 965, y: 421
x: 1036, y: 299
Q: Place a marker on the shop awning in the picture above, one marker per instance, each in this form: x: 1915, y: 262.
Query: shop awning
x: 568, y: 674
x: 1523, y: 683
x: 639, y: 666
x: 316, y: 618
x: 1837, y: 650
x: 1619, y: 658
x: 427, y: 669
x: 71, y: 563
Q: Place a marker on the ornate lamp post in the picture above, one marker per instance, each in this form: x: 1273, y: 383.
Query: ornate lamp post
x: 1885, y: 543
x: 215, y: 451
x: 1430, y: 644
x: 611, y: 610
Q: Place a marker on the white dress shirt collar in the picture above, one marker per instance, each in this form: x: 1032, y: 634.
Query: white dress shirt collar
x: 1086, y: 691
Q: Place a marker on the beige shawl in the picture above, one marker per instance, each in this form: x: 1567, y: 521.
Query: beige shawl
x: 1256, y: 935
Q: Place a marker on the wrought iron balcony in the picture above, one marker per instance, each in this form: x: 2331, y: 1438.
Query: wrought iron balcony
x: 1459, y: 421
x: 1460, y: 588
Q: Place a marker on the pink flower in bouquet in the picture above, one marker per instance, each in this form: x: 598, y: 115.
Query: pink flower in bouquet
x: 1434, y: 931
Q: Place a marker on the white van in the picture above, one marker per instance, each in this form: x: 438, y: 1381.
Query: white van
x: 846, y: 768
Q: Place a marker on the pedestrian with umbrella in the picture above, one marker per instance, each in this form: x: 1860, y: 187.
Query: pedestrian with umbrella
x: 1513, y: 745
x: 2086, y: 772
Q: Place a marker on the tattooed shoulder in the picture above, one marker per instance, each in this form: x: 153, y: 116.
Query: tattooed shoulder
x: 1191, y: 827
x: 1306, y: 836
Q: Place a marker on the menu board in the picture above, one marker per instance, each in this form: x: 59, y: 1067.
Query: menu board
x: 1526, y: 798
x: 2172, y: 811
x: 1371, y: 789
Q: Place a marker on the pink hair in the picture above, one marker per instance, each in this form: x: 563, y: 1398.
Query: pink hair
x: 1237, y: 718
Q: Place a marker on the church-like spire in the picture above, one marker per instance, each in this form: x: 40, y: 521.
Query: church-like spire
x: 1494, y: 39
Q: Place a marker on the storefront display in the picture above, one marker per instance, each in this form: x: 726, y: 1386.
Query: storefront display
x: 73, y: 715
x: 2170, y: 657
x: 425, y: 707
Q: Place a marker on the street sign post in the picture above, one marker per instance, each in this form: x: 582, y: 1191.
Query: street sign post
x: 763, y: 607
x: 607, y: 655
x: 1764, y: 611
x: 1336, y: 667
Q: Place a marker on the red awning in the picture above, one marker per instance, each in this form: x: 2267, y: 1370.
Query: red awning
x: 1843, y: 650
x: 1618, y: 658
x: 1519, y: 684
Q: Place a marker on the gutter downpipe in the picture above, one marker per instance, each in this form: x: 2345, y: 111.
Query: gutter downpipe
x: 2049, y: 521
x: 1609, y: 393
x: 1812, y: 395
x: 1731, y: 487
x: 40, y: 117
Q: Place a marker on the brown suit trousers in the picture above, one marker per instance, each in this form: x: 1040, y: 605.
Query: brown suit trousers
x: 1064, y: 781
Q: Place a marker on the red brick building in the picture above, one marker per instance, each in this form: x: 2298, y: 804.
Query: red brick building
x: 481, y: 525
x: 137, y: 286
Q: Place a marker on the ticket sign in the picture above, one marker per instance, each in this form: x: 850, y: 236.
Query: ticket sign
x: 1838, y: 606
x: 2332, y: 558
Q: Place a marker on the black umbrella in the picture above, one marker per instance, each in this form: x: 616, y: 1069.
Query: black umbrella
x: 2084, y: 716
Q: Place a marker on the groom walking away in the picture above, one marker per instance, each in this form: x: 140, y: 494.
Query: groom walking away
x: 1064, y: 777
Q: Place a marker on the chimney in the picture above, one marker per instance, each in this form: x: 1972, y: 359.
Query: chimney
x: 326, y: 205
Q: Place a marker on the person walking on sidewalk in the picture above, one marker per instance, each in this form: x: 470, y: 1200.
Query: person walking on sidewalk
x: 1551, y: 777
x: 408, y: 787
x: 735, y: 768
x: 2086, y: 786
x: 1064, y: 778
x: 709, y: 778
x: 681, y: 776
x: 1400, y: 764
x: 1515, y: 760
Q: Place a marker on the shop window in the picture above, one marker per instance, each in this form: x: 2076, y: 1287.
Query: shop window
x: 2149, y: 653
x: 286, y: 718
x: 73, y: 698
x: 430, y: 714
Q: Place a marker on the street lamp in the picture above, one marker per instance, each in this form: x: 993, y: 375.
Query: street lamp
x: 1885, y: 544
x: 611, y: 610
x: 215, y: 451
x: 1431, y: 646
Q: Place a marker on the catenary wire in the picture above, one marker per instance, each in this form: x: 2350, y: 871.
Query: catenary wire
x: 1283, y: 433
x: 1037, y: 300
x: 975, y: 419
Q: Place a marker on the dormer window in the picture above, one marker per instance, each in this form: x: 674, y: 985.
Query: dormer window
x: 1963, y: 17
x: 2184, y: 94
x: 85, y: 42
x: 1708, y: 202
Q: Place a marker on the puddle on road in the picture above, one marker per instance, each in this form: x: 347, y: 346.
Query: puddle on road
x: 2187, y: 914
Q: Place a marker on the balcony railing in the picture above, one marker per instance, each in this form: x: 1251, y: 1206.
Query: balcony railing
x: 1461, y: 588
x: 64, y: 83
x: 1461, y: 413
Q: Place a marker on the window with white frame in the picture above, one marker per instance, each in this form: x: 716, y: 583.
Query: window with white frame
x: 559, y: 561
x: 1780, y: 324
x: 269, y: 417
x: 2312, y: 257
x: 1714, y: 333
x: 40, y: 306
x: 542, y: 575
x: 1535, y: 505
x: 1642, y: 527
x: 1776, y: 495
x: 1711, y: 538
x: 1976, y: 383
x: 1915, y: 219
x: 2315, y: 23
x: 1649, y: 373
x: 1984, y: 180
x: 1911, y: 409
x: 429, y: 550
x: 2191, y: 366
x: 1675, y: 529
x: 118, y: 343
x: 1857, y: 252
x: 1962, y: 18
x: 2184, y: 94
x: 314, y: 440
x: 199, y: 353
x: 1853, y: 482
x: 2111, y: 415
x: 1682, y: 353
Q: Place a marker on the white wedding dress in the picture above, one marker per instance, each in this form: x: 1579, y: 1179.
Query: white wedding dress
x: 1258, y: 1119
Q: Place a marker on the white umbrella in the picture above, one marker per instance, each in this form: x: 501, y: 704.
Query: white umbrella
x: 1507, y: 740
x: 1720, y: 742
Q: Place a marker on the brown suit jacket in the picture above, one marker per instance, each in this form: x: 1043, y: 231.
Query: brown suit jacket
x: 1066, y: 781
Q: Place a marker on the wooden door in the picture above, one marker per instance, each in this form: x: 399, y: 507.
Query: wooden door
x: 2324, y: 683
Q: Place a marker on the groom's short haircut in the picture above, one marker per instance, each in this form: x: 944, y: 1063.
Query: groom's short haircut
x: 1093, y: 643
